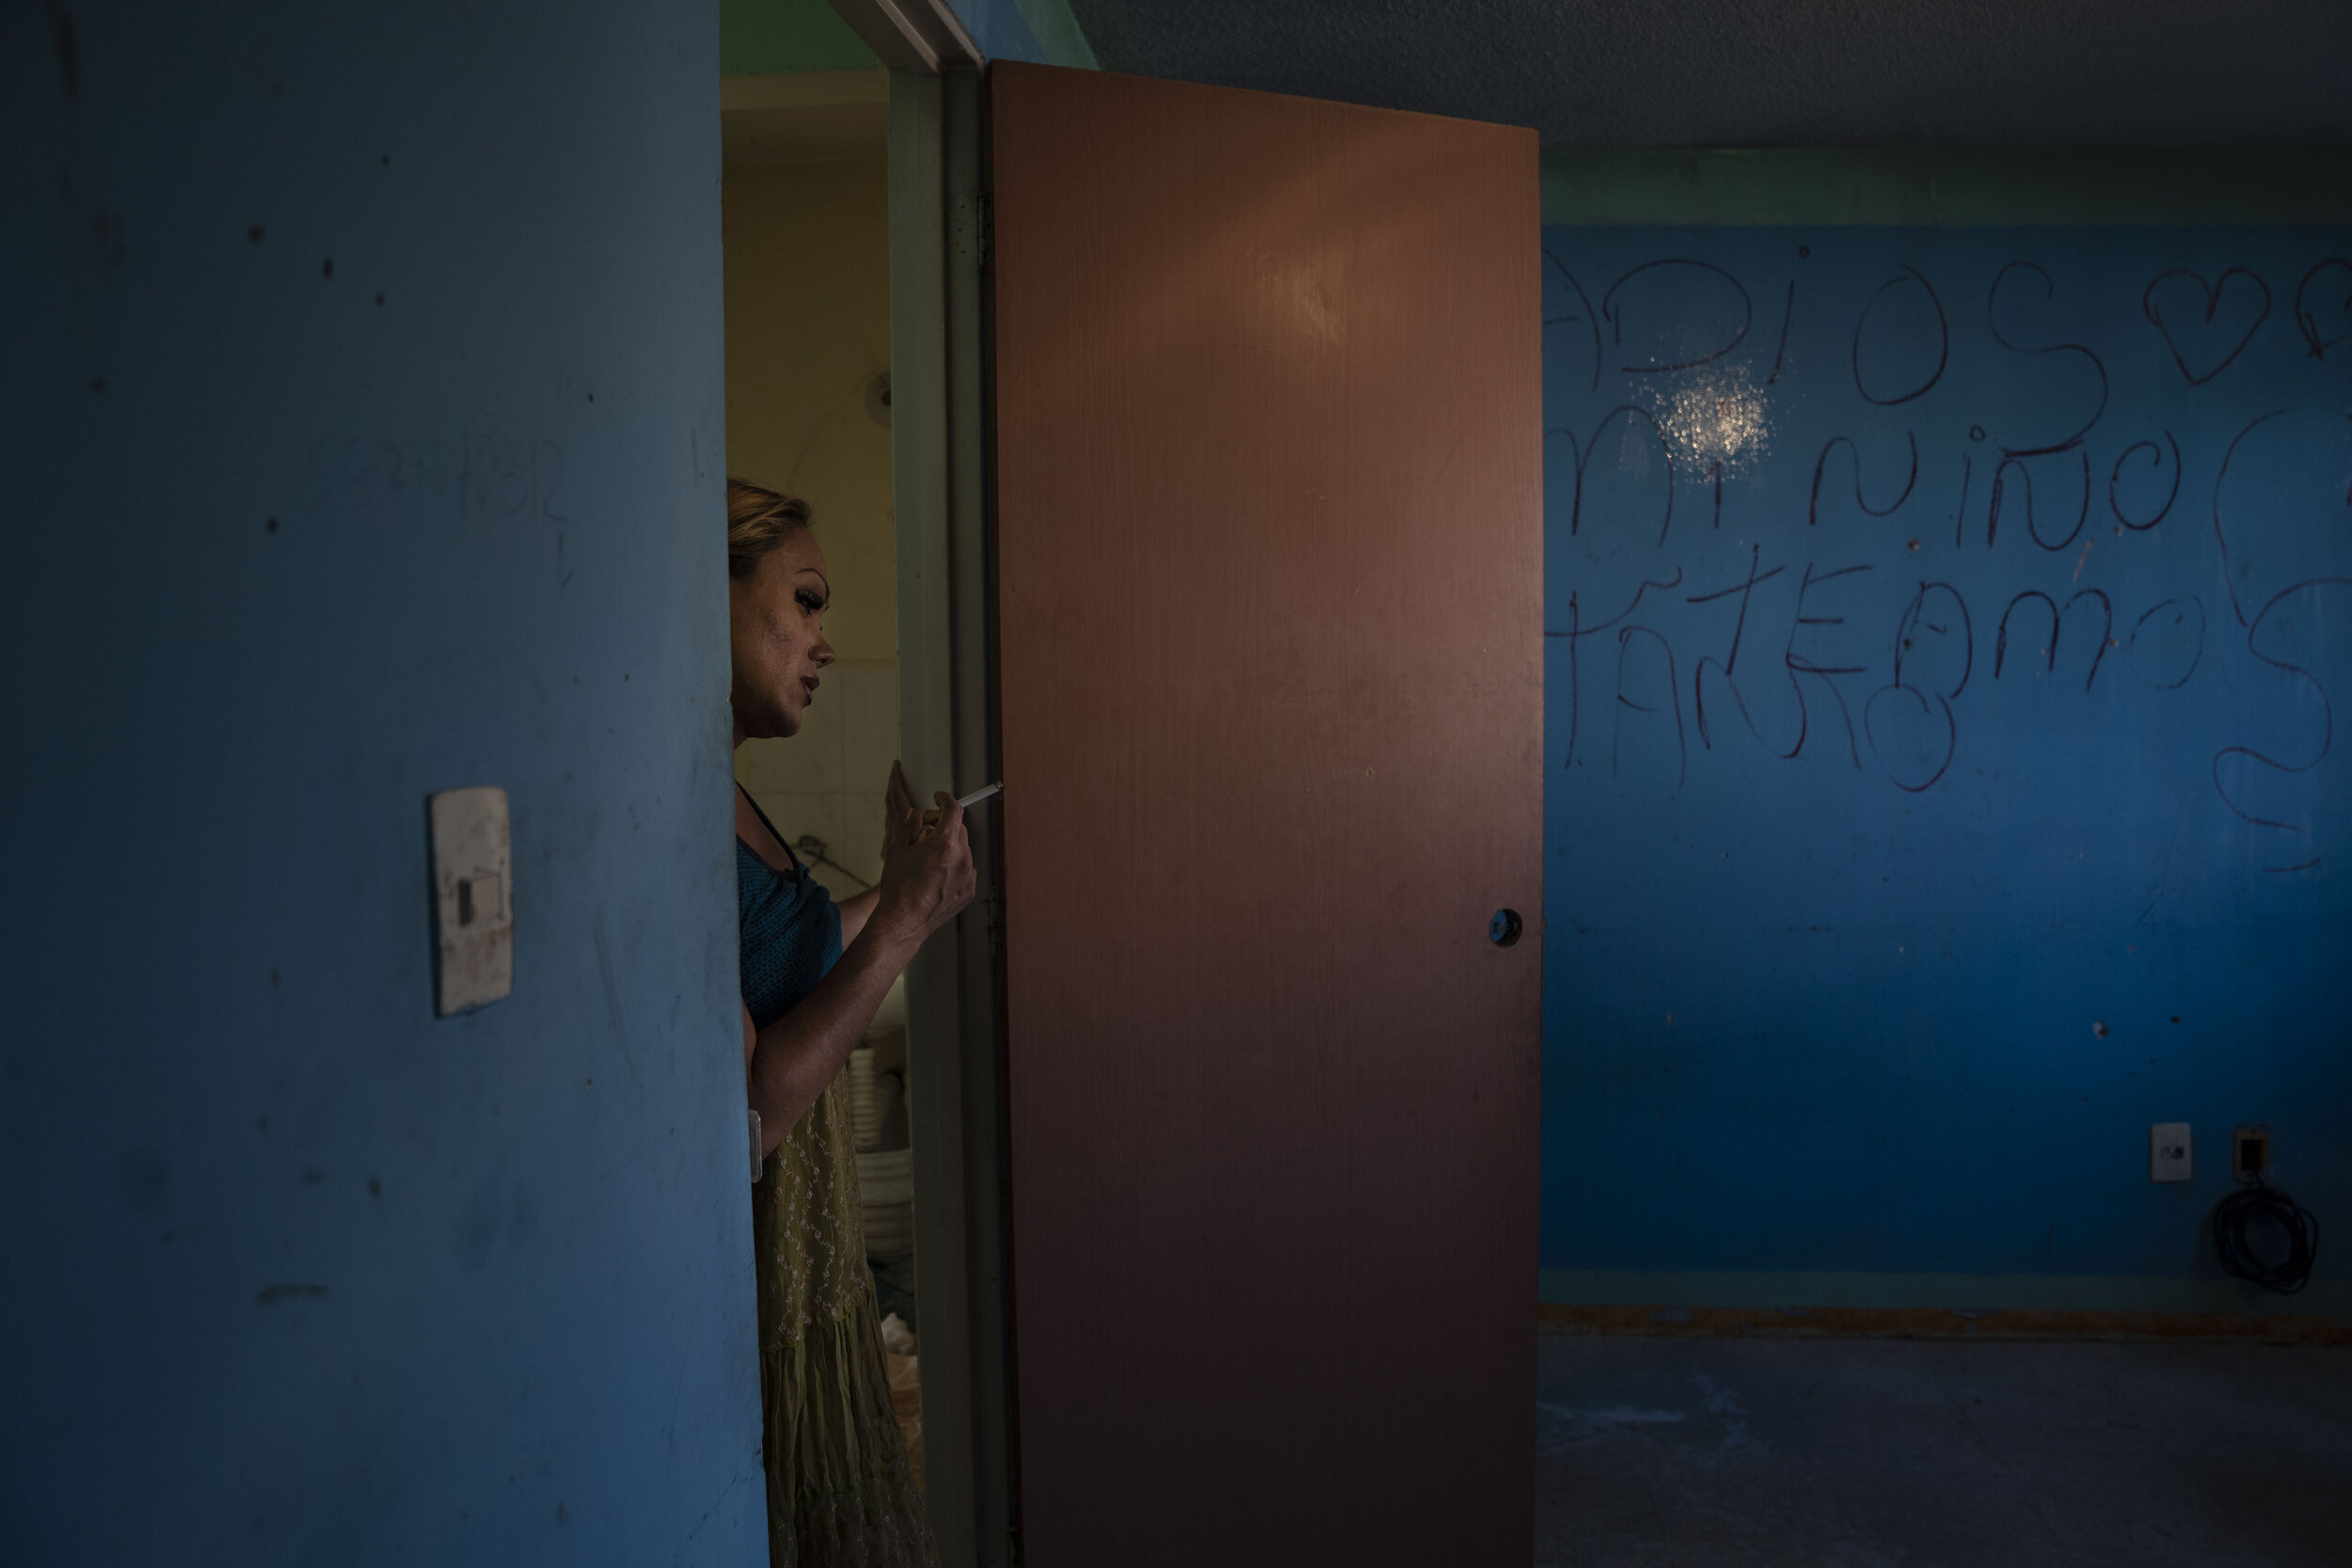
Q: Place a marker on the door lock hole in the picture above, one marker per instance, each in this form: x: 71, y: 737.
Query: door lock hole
x: 1504, y: 930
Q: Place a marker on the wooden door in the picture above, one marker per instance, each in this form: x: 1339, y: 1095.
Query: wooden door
x: 1267, y: 407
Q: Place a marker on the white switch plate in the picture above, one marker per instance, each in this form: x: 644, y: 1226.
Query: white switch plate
x: 2167, y: 1151
x: 473, y: 899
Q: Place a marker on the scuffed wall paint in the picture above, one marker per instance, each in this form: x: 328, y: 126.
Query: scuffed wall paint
x: 364, y: 422
x: 1885, y: 916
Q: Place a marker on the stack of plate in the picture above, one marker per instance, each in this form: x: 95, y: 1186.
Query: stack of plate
x: 886, y: 1185
x: 865, y: 1112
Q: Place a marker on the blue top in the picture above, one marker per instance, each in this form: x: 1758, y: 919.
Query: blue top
x: 792, y: 932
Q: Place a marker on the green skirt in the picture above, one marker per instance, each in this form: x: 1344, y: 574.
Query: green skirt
x: 841, y: 1491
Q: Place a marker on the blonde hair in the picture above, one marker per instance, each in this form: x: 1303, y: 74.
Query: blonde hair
x: 758, y: 519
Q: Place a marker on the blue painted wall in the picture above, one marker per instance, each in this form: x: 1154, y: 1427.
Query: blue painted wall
x: 1880, y: 928
x: 362, y: 415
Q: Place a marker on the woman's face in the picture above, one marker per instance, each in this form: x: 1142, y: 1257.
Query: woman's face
x: 778, y: 643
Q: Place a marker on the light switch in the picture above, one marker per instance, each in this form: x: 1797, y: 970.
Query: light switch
x: 473, y: 899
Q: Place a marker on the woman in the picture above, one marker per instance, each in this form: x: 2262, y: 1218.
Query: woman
x: 840, y: 1490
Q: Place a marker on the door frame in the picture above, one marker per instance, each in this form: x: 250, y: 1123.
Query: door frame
x: 946, y: 728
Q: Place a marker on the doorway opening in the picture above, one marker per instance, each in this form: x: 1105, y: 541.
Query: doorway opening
x: 805, y: 201
x: 854, y: 233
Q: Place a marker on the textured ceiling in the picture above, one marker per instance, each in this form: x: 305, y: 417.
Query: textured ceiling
x: 2151, y: 73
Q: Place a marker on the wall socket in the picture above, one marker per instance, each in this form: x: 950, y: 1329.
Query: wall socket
x: 2250, y: 1152
x: 2168, y: 1151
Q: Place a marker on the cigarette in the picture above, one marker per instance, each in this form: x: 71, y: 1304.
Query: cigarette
x: 930, y: 818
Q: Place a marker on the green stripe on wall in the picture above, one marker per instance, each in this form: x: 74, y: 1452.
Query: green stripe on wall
x: 762, y: 38
x: 1962, y: 1293
x: 765, y: 37
x: 1921, y: 187
x: 1059, y: 33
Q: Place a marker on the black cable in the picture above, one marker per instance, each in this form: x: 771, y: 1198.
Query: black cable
x: 2261, y: 1235
x: 812, y: 848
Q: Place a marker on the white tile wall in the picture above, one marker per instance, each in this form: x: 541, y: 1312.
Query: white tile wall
x: 870, y: 730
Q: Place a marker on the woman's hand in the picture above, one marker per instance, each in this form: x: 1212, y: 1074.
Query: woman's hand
x: 901, y: 824
x: 927, y: 879
x: 926, y: 875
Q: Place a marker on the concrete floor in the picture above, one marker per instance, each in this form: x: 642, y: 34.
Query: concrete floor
x: 1859, y: 1453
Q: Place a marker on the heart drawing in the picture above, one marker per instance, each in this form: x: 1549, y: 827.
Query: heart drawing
x: 2323, y: 305
x: 2201, y: 323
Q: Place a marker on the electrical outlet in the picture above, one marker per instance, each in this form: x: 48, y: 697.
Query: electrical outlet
x: 2250, y: 1152
x: 2168, y: 1151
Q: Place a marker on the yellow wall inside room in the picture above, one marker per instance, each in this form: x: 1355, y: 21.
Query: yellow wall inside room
x: 807, y: 248
x: 807, y: 332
